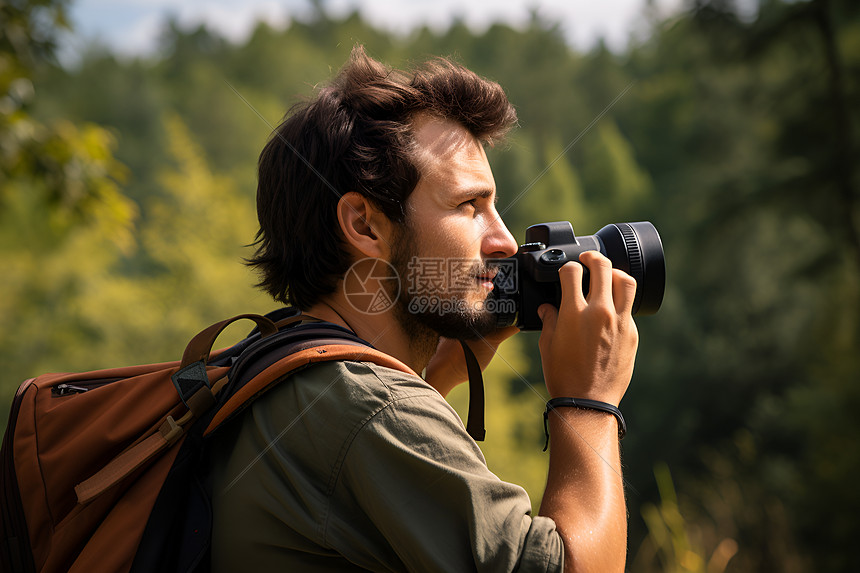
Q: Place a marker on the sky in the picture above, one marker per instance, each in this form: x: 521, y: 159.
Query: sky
x: 131, y: 27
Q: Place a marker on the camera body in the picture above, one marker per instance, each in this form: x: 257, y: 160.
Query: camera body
x: 530, y: 278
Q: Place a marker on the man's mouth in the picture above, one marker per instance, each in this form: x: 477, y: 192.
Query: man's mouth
x: 485, y: 279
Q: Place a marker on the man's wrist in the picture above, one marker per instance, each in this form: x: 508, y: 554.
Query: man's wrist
x: 583, y: 404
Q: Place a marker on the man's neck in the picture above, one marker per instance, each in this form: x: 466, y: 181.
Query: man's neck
x: 413, y: 346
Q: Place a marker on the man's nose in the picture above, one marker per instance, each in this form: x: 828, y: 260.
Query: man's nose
x: 498, y: 241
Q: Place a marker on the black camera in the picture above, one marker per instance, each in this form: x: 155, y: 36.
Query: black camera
x: 530, y: 278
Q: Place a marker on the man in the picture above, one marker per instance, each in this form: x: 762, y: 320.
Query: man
x: 348, y: 465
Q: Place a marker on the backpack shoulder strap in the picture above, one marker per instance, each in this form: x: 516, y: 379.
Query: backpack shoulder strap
x: 276, y: 357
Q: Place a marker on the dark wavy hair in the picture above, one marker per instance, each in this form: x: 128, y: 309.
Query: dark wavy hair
x: 355, y: 135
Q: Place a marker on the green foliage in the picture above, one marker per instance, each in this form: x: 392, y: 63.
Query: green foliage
x: 671, y: 541
x: 619, y: 187
x: 96, y: 298
x: 126, y: 196
x: 63, y: 216
x: 53, y: 176
x: 556, y: 184
x: 196, y: 224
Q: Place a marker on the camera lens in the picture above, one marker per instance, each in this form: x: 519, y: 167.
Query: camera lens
x: 636, y: 249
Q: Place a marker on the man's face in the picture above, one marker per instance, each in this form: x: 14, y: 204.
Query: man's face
x: 451, y: 230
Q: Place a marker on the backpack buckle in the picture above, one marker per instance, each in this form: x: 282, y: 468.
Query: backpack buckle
x: 170, y: 430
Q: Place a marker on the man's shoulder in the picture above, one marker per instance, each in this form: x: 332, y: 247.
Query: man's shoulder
x: 362, y: 395
x: 363, y: 381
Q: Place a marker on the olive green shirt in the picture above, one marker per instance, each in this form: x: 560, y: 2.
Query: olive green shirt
x: 349, y: 466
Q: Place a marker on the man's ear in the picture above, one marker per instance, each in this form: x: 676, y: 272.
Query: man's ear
x: 364, y: 227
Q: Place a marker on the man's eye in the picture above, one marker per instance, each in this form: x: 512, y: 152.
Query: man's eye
x: 473, y: 203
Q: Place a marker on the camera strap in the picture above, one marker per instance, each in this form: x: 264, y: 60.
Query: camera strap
x: 475, y: 421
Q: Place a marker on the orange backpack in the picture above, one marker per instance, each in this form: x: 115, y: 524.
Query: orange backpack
x: 100, y: 471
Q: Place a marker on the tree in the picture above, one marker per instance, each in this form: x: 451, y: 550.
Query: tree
x: 61, y: 173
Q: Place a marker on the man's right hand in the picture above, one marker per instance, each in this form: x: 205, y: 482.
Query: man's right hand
x: 588, y: 345
x: 587, y: 350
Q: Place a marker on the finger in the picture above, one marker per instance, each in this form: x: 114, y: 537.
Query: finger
x: 549, y: 317
x: 600, y: 271
x: 623, y: 291
x: 570, y: 277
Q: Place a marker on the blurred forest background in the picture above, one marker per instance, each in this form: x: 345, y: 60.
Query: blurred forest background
x: 127, y: 202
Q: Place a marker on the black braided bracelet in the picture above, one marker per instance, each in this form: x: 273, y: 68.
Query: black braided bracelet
x: 584, y: 404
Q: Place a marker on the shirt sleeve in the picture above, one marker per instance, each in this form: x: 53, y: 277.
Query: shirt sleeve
x: 423, y: 482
